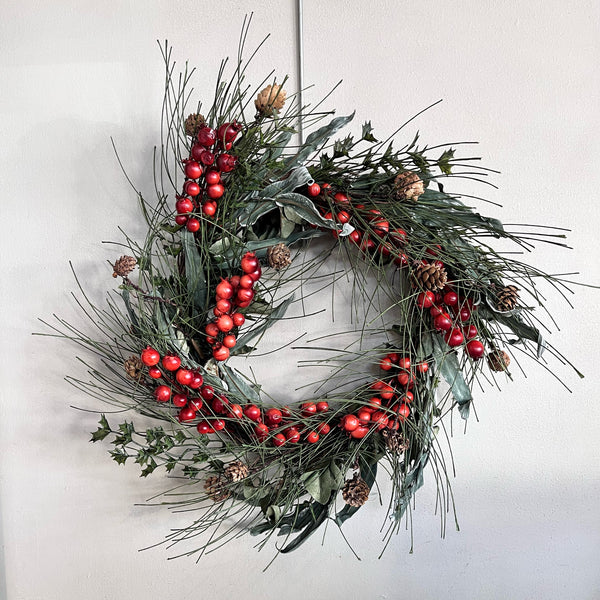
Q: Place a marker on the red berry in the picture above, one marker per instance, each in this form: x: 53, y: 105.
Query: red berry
x: 403, y: 412
x: 380, y: 418
x: 349, y: 422
x: 184, y: 205
x: 443, y: 322
x: 235, y: 410
x: 409, y: 397
x: 279, y: 439
x: 404, y: 379
x: 212, y: 177
x: 386, y: 392
x: 309, y: 408
x: 215, y: 191
x: 238, y: 319
x: 221, y: 354
x: 435, y: 311
x: 314, y: 189
x: 312, y: 437
x: 425, y: 299
x: 192, y: 169
x: 404, y: 363
x: 273, y: 416
x: 341, y: 198
x: 422, y: 368
x: 184, y: 376
x: 211, y: 329
x: 401, y: 260
x: 179, y: 400
x: 475, y: 349
x: 323, y: 428
x: 217, y: 424
x: 249, y: 262
x: 364, y: 416
x: 246, y: 282
x: 252, y: 412
x: 244, y: 296
x: 355, y: 237
x: 374, y: 402
x: 196, y: 151
x: 186, y: 414
x: 464, y: 314
x: 226, y: 162
x: 228, y: 131
x: 450, y: 298
x: 171, y: 362
x: 181, y: 219
x: 292, y: 435
x: 256, y: 274
x: 224, y: 289
x: 454, y: 337
x: 191, y: 188
x: 385, y: 364
x: 209, y: 209
x: 322, y: 406
x: 195, y: 403
x: 223, y: 306
x: 204, y: 427
x: 193, y: 225
x: 207, y: 392
x: 229, y: 341
x: 207, y: 158
x: 381, y: 227
x: 225, y: 323
x: 150, y: 356
x: 162, y: 393
x: 359, y: 433
x: 155, y: 372
x: 207, y: 136
x: 219, y: 404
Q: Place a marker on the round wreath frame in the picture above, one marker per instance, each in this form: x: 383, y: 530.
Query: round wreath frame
x: 287, y: 470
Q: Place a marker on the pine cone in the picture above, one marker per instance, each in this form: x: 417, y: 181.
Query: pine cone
x: 429, y: 276
x: 215, y: 487
x: 408, y: 186
x: 123, y: 266
x: 193, y: 123
x: 394, y: 441
x: 498, y: 360
x: 272, y: 97
x: 279, y: 256
x: 134, y: 367
x: 355, y: 491
x: 507, y: 298
x: 236, y: 471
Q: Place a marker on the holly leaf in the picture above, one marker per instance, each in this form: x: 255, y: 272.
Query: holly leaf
x: 367, y: 136
x: 444, y: 161
x: 102, y: 431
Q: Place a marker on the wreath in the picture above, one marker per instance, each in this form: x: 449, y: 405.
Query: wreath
x: 244, y: 217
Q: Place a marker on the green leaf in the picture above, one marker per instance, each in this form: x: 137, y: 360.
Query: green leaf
x: 447, y: 363
x: 119, y: 456
x: 194, y: 273
x: 305, y: 209
x: 297, y: 178
x: 319, y: 513
x: 254, y: 210
x: 238, y: 384
x: 517, y: 325
x: 444, y: 161
x: 288, y: 225
x: 320, y: 484
x: 316, y: 139
x: 127, y: 301
x: 413, y: 480
x: 265, y: 323
x: 367, y: 135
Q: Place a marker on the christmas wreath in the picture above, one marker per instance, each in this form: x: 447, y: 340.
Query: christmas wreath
x: 245, y: 215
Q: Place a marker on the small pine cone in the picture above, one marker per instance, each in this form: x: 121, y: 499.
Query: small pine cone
x: 272, y: 97
x: 394, y: 441
x: 123, y: 266
x: 236, y: 471
x: 430, y: 277
x: 507, y: 298
x: 408, y: 186
x: 279, y: 256
x: 193, y: 123
x: 134, y: 367
x: 215, y: 488
x: 498, y: 360
x: 355, y: 491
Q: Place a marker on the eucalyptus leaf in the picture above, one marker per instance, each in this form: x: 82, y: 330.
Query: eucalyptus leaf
x: 449, y: 367
x: 319, y: 514
x: 305, y: 209
x: 297, y: 178
x: 316, y: 139
x: 237, y: 384
x: 265, y: 323
x: 320, y: 484
x: 254, y: 210
x: 287, y: 226
x: 194, y: 273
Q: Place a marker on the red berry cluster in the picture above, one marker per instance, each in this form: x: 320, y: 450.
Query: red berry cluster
x: 203, y: 169
x: 451, y: 315
x: 389, y: 406
x: 185, y: 390
x: 389, y: 243
x: 181, y: 385
x: 231, y: 294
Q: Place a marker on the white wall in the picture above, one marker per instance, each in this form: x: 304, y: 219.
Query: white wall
x: 522, y: 78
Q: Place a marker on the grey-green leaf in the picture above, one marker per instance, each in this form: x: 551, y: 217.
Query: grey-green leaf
x: 194, y: 273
